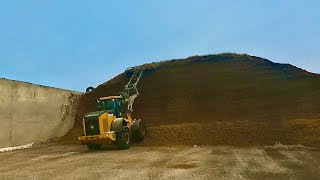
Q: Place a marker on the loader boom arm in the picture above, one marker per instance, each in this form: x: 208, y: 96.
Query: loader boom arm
x: 130, y: 91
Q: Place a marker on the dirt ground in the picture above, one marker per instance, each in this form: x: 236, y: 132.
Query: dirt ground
x: 180, y: 162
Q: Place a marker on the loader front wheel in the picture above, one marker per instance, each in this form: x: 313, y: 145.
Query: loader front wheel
x: 139, y: 134
x: 123, y: 138
x: 94, y: 146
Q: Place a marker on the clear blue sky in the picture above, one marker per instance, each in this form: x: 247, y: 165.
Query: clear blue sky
x: 74, y: 44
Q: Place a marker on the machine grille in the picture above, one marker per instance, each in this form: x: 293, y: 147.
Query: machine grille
x: 92, y: 126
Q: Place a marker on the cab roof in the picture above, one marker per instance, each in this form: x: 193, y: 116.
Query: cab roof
x: 110, y: 97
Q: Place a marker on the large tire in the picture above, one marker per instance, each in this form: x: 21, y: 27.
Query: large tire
x: 94, y: 146
x: 140, y: 133
x: 89, y: 89
x: 123, y: 138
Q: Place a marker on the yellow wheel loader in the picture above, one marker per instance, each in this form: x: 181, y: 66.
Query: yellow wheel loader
x: 112, y: 122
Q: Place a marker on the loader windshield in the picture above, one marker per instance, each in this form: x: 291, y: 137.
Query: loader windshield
x: 106, y: 105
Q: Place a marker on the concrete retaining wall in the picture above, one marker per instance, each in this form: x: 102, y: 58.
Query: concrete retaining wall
x: 30, y: 113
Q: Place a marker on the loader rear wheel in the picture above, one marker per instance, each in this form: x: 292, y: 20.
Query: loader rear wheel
x: 123, y: 138
x: 139, y: 134
x: 94, y: 146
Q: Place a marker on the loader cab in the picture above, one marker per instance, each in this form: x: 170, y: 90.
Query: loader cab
x: 111, y: 103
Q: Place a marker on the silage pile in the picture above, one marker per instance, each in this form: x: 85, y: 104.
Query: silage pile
x: 225, y: 99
